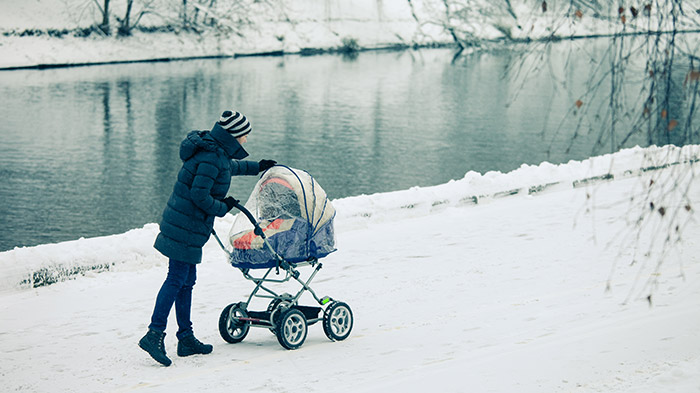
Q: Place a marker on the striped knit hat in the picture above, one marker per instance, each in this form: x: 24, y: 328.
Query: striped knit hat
x: 235, y: 123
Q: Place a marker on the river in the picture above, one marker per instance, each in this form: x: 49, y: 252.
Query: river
x: 91, y: 151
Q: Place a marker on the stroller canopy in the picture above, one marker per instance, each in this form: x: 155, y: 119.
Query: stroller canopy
x: 295, y: 214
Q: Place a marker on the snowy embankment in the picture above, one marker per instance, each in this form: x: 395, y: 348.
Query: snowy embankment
x: 50, y: 263
x: 243, y: 28
x: 507, y: 294
x: 45, y: 33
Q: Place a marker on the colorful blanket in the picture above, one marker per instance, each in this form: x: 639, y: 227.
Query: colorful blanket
x: 286, y: 236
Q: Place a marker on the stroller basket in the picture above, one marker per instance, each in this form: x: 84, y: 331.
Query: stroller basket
x: 263, y: 317
x: 286, y: 224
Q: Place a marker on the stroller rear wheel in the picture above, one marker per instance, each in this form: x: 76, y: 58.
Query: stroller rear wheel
x: 337, y: 321
x: 231, y: 329
x: 292, y: 329
x: 276, y: 308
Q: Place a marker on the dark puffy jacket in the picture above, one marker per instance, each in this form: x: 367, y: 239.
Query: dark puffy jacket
x: 209, y: 161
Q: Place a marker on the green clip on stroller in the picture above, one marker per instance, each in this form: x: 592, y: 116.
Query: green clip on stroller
x: 286, y: 224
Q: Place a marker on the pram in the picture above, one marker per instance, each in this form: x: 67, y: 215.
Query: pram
x: 286, y: 224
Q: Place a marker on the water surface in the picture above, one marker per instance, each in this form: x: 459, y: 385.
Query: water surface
x: 93, y: 151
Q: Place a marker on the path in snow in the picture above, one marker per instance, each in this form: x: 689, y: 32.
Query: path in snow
x: 506, y: 296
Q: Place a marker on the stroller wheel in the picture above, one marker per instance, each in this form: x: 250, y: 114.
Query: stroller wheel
x: 337, y: 321
x: 231, y: 329
x: 284, y: 299
x: 273, y: 305
x: 276, y: 308
x: 291, y: 331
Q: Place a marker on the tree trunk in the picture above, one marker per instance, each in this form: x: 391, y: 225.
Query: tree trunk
x: 105, y: 18
x: 129, y: 4
x: 211, y: 7
x: 125, y: 24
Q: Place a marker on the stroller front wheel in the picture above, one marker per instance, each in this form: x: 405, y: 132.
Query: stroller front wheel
x: 232, y: 329
x: 337, y: 321
x: 292, y: 329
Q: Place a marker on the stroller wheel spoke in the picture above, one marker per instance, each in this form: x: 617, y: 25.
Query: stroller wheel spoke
x: 292, y: 329
x: 232, y: 329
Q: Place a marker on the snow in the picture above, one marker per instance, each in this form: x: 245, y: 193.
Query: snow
x: 527, y: 291
x: 538, y: 280
x: 291, y: 26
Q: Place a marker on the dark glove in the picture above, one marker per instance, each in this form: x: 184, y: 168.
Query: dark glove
x: 266, y: 164
x: 230, y: 201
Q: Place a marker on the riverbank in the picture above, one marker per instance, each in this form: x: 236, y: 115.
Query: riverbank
x: 294, y: 28
x: 52, y: 33
x: 47, y: 264
x: 147, y: 57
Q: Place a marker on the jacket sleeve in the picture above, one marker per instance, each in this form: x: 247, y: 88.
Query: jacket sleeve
x: 200, y: 192
x: 249, y: 168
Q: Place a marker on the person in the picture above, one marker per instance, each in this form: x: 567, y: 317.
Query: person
x: 209, y: 158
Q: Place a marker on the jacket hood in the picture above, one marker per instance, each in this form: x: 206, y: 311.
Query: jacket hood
x: 196, y: 141
x: 212, y: 140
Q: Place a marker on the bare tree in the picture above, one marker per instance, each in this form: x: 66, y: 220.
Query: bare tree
x: 104, y: 10
x: 206, y: 7
x: 127, y: 24
x: 644, y: 89
x: 183, y: 15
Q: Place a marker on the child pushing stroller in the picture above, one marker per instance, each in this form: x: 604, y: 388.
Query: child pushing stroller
x: 209, y: 159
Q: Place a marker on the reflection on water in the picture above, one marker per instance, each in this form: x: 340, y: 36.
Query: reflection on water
x: 94, y: 151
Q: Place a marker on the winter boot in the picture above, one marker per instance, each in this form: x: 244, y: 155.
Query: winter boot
x: 189, y: 345
x: 152, y: 343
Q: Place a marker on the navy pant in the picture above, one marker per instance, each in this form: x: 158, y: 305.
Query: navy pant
x: 177, y: 289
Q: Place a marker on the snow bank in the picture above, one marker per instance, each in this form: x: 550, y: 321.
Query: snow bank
x: 296, y: 26
x: 290, y: 27
x: 476, y: 188
x: 50, y: 263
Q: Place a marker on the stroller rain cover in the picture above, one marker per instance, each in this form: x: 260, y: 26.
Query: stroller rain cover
x: 294, y: 213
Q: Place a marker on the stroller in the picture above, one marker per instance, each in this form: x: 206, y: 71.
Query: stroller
x: 286, y: 224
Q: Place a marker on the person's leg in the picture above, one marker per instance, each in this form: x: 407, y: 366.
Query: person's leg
x: 183, y: 303
x: 177, y: 275
x: 188, y: 343
x: 153, y: 341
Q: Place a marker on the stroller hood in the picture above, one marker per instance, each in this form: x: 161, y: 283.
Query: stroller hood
x: 295, y: 214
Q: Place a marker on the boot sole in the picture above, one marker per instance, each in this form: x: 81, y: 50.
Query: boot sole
x: 182, y: 355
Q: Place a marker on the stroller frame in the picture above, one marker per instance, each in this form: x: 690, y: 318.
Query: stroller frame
x: 284, y: 316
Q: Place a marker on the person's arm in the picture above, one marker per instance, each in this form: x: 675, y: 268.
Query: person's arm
x: 200, y: 192
x: 248, y: 168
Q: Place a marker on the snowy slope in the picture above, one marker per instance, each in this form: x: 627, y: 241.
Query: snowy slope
x: 508, y: 294
x: 36, y: 266
x: 258, y: 27
x: 42, y: 32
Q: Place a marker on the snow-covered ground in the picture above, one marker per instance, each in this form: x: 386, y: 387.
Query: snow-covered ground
x: 504, y: 295
x: 244, y: 28
x: 533, y: 281
x: 43, y: 32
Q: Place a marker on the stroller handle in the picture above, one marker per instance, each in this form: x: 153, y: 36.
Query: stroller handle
x: 257, y: 230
